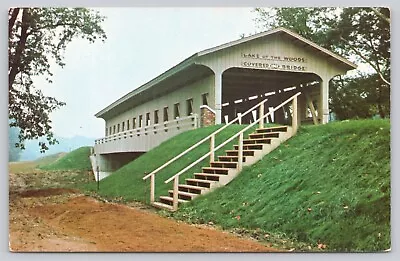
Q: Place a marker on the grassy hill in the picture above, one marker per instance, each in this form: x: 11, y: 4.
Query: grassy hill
x: 29, y: 166
x: 75, y: 160
x: 127, y: 181
x: 48, y: 159
x: 329, y: 184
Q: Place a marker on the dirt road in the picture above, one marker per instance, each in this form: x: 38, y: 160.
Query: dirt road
x: 51, y: 219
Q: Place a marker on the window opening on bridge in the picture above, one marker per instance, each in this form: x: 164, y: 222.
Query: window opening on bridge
x: 189, y: 107
x: 156, y: 117
x: 140, y: 121
x: 106, y: 131
x: 123, y: 126
x: 134, y: 123
x: 109, y: 132
x: 148, y: 119
x: 204, y: 98
x: 114, y: 129
x: 127, y: 125
x: 165, y: 114
x: 176, y: 110
x: 118, y: 128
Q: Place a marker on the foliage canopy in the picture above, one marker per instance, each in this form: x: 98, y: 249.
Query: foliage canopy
x: 38, y: 37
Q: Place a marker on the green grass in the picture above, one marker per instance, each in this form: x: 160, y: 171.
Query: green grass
x: 75, y: 160
x: 127, y: 181
x: 329, y: 184
x: 49, y: 159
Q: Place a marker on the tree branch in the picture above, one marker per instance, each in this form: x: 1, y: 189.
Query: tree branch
x: 54, y: 26
x: 376, y: 11
x: 366, y: 60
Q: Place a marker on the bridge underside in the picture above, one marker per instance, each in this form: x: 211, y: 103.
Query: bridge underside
x: 113, y: 161
x: 105, y: 164
x: 244, y: 88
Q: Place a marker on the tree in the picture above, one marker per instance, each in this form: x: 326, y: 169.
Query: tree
x: 362, y: 33
x: 359, y: 97
x: 355, y: 33
x: 38, y: 37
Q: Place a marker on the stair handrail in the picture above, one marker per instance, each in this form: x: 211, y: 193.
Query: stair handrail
x: 236, y: 135
x: 203, y: 140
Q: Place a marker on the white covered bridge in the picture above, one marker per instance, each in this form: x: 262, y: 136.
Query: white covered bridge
x: 216, y: 85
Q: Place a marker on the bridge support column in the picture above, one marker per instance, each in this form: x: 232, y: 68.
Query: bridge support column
x: 323, y: 108
x: 218, y: 97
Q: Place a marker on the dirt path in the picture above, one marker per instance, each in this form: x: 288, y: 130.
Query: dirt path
x: 64, y: 220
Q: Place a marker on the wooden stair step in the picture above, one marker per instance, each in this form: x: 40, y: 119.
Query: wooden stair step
x: 200, y: 182
x: 272, y: 129
x: 224, y: 164
x: 163, y: 206
x: 207, y: 176
x: 235, y: 152
x: 257, y: 141
x: 250, y: 146
x: 264, y: 135
x: 183, y: 193
x: 215, y: 170
x: 171, y: 199
x: 190, y: 188
x: 231, y: 158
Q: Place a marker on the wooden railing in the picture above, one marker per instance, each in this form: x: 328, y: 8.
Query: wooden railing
x: 213, y: 149
x: 145, y: 138
x: 145, y: 130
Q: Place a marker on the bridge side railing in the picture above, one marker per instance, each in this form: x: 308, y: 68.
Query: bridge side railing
x: 145, y: 138
x: 145, y: 130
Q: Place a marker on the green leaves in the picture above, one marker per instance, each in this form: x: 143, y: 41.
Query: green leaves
x: 38, y: 36
x: 361, y: 97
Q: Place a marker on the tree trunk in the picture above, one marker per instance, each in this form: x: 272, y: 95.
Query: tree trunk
x: 16, y: 60
x: 12, y: 19
x: 379, y: 101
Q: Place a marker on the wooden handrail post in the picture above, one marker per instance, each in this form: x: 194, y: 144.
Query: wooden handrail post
x: 212, y: 146
x: 294, y: 116
x: 261, y: 112
x: 175, y: 194
x: 152, y: 188
x: 240, y: 152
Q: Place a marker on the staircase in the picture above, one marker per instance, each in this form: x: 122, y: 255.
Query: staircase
x: 221, y: 172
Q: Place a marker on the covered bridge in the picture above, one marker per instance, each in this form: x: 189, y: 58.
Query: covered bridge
x: 214, y: 86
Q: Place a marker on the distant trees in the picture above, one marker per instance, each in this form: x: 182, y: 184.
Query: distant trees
x: 38, y: 36
x: 14, y: 152
x: 356, y: 33
x: 359, y: 97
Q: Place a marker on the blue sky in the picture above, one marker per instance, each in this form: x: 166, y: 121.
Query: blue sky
x: 142, y: 43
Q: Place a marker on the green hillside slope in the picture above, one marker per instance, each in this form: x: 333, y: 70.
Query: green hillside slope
x: 127, y: 181
x: 75, y: 160
x: 329, y: 184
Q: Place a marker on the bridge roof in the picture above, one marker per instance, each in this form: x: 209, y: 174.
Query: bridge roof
x: 188, y: 67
